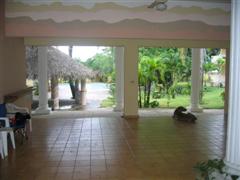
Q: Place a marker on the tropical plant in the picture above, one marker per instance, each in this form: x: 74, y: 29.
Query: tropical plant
x: 147, y: 76
x: 208, y: 65
x: 160, y: 69
x: 221, y: 65
x: 211, y: 169
x: 35, y: 88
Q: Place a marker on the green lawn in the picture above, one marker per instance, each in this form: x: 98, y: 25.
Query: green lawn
x: 211, y: 100
x: 173, y: 103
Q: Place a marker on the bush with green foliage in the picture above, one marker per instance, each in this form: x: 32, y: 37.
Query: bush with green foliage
x: 154, y: 104
x: 35, y: 88
x: 183, y: 88
x: 112, y: 89
x: 223, y: 95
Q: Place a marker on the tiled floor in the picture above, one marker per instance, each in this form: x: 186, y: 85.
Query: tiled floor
x: 114, y: 148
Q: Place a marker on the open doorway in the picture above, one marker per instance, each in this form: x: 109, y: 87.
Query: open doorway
x: 79, y: 77
x: 165, y: 78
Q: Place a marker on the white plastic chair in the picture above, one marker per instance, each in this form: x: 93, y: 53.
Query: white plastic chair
x: 4, y: 131
x: 1, y: 148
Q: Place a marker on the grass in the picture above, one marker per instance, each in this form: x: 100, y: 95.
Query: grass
x: 182, y: 100
x: 212, y: 99
x: 109, y: 102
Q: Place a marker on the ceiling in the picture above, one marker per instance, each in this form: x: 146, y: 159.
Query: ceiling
x: 127, y: 1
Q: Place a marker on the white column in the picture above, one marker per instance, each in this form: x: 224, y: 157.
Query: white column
x: 197, y: 56
x: 131, y: 81
x: 83, y: 93
x: 232, y: 158
x: 119, y: 67
x: 42, y: 81
x: 226, y: 94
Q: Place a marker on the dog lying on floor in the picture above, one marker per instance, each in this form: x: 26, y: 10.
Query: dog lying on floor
x: 181, y: 114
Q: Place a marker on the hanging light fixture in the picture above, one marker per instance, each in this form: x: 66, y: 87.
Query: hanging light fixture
x: 161, y: 7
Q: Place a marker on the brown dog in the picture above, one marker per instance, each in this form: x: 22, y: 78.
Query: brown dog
x: 181, y: 114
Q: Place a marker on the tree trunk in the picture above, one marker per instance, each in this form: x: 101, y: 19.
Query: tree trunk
x: 76, y: 91
x: 139, y: 95
x: 54, y: 92
x: 202, y: 84
x: 145, y: 94
x: 71, y: 82
x: 72, y: 87
x: 149, y: 92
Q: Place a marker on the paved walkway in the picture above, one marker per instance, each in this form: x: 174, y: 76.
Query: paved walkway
x: 96, y: 93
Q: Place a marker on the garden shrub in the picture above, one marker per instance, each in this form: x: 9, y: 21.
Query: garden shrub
x: 35, y: 89
x: 112, y: 89
x: 157, y: 95
x: 154, y: 104
x: 183, y: 88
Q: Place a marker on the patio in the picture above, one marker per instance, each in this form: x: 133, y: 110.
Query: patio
x: 105, y: 146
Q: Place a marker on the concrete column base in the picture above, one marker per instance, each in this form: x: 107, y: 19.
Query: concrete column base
x: 41, y: 111
x: 130, y: 116
x: 118, y: 109
x: 233, y: 169
x: 196, y: 109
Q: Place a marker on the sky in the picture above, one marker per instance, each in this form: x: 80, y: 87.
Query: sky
x: 82, y: 52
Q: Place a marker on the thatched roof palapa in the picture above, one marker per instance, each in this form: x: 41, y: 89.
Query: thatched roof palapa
x: 59, y: 64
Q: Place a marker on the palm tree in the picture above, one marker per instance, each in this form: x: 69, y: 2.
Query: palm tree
x: 147, y: 76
